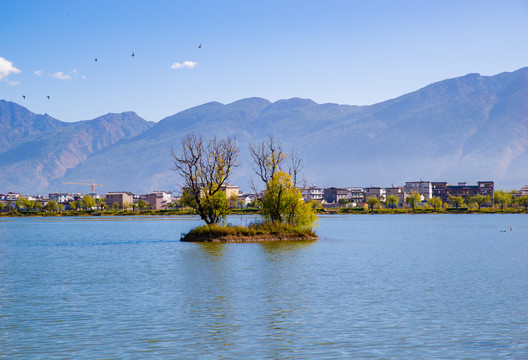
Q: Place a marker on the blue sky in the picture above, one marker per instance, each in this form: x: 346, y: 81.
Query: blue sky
x: 347, y: 52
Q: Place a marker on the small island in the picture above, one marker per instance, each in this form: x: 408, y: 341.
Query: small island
x: 205, y: 168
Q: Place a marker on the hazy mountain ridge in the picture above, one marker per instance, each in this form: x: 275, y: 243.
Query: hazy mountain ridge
x: 462, y: 129
x: 40, y: 159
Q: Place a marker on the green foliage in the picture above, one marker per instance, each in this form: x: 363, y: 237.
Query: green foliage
x: 373, y: 202
x: 480, y: 200
x: 458, y: 201
x: 52, y: 206
x: 87, y: 202
x: 435, y: 202
x: 523, y: 201
x: 503, y: 198
x: 392, y: 201
x: 283, y: 203
x: 413, y: 199
x: 215, y: 231
x: 342, y: 201
x: 142, y: 205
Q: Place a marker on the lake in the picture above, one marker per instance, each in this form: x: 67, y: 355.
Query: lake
x: 371, y: 287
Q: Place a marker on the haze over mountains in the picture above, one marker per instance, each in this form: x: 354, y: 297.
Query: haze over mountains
x: 463, y: 129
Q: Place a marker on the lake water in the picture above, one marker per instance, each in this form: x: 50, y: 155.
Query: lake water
x: 381, y: 286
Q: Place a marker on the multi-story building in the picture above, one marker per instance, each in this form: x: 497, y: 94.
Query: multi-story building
x: 399, y: 191
x: 486, y: 188
x: 312, y: 193
x: 230, y: 190
x: 333, y: 194
x: 524, y: 190
x: 159, y: 199
x: 356, y: 194
x: 377, y: 192
x: 443, y: 190
x: 122, y: 197
x: 60, y: 197
x: 423, y: 188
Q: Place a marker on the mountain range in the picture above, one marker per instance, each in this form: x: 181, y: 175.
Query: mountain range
x: 468, y: 128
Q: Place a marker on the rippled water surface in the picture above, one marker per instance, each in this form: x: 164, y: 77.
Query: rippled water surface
x: 407, y: 287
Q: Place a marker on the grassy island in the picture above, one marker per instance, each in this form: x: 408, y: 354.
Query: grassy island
x: 205, y: 167
x: 253, y: 233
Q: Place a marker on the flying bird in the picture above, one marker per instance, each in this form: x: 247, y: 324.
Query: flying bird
x: 133, y: 54
x: 24, y: 96
x: 95, y: 59
x: 48, y: 97
x: 200, y: 46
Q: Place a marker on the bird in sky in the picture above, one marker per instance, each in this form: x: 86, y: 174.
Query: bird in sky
x: 48, y: 97
x: 133, y: 54
x: 200, y: 46
x: 95, y: 59
x: 24, y: 96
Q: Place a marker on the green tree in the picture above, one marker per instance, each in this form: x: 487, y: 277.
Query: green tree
x: 74, y: 205
x: 205, y: 167
x: 19, y: 205
x: 2, y: 206
x: 233, y: 201
x: 142, y: 205
x: 413, y: 199
x: 87, y: 202
x: 36, y: 205
x: 282, y: 201
x: 392, y: 201
x: 479, y: 200
x: 458, y: 201
x: 523, y: 201
x: 100, y: 203
x: 342, y: 201
x: 435, y: 202
x: 51, y: 206
x: 502, y: 198
x: 373, y: 202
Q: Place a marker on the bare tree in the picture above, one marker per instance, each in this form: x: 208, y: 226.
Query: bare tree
x: 295, y: 166
x: 268, y: 158
x: 205, y: 168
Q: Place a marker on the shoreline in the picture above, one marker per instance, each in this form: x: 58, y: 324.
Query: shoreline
x: 250, y: 213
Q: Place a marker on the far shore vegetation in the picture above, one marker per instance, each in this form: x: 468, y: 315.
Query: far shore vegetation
x: 505, y: 203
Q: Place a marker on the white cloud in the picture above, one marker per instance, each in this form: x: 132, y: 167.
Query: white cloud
x: 6, y: 68
x: 84, y: 77
x: 61, y: 75
x: 37, y: 72
x: 13, y: 83
x: 74, y: 71
x: 185, y: 64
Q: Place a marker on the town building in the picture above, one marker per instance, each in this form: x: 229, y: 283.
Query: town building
x: 399, y: 191
x: 524, y: 190
x: 421, y: 187
x: 312, y: 193
x: 377, y: 192
x: 119, y: 198
x: 333, y: 194
x: 356, y: 194
x: 230, y: 190
x: 443, y: 190
x: 60, y: 197
x: 158, y: 200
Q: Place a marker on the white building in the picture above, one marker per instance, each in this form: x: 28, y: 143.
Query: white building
x: 312, y: 193
x: 424, y: 188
